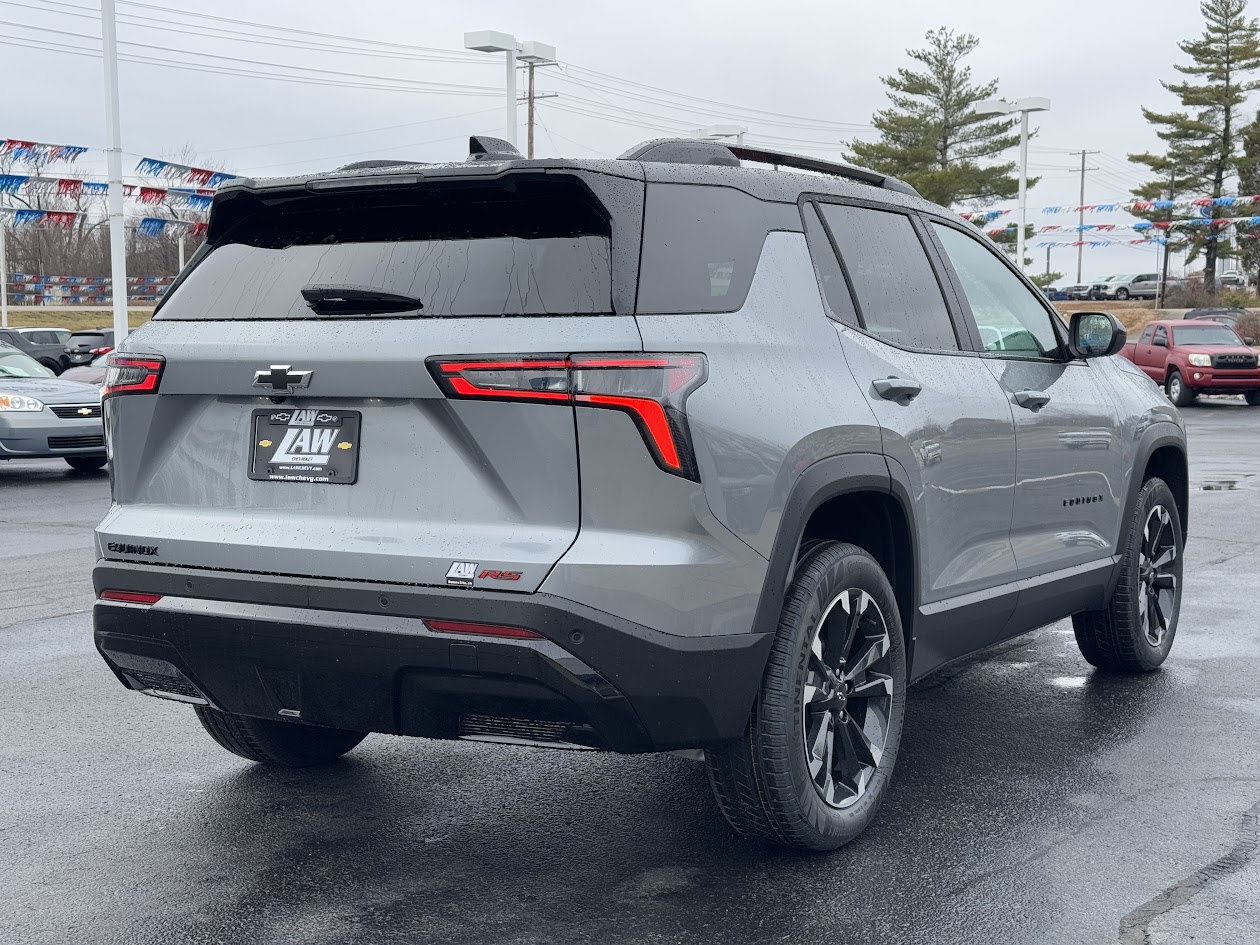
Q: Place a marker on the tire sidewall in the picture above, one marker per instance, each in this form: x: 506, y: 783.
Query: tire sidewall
x: 825, y: 573
x: 1154, y: 493
x: 1180, y: 394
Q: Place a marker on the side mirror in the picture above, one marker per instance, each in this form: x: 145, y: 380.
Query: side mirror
x: 1249, y: 341
x: 1159, y: 341
x: 1096, y: 335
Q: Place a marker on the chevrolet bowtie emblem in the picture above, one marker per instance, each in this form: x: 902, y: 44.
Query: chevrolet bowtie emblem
x: 85, y: 411
x: 282, y: 377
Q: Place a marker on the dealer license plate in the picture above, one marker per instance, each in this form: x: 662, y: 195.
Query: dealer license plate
x: 305, y: 444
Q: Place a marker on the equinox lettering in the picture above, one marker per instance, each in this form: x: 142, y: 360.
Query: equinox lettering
x: 123, y: 548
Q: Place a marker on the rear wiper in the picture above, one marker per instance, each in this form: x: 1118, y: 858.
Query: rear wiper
x: 357, y: 300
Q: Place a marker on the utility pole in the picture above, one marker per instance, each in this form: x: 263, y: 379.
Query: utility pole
x: 1047, y: 262
x: 529, y: 141
x: 1163, y: 279
x: 1080, y: 232
x: 113, y: 163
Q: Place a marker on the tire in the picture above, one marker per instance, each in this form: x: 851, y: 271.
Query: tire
x: 1253, y: 398
x: 1177, y: 391
x: 54, y: 366
x: 284, y: 744
x: 768, y: 785
x: 1122, y: 295
x: 85, y: 463
x: 1135, y: 631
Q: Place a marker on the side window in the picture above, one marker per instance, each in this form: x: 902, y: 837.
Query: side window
x: 830, y: 276
x: 1146, y: 335
x: 701, y: 245
x: 1011, y: 319
x: 898, y: 297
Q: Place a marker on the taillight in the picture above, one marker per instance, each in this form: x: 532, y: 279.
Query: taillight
x: 96, y: 351
x: 132, y: 374
x: 481, y: 629
x: 651, y: 389
x: 131, y: 597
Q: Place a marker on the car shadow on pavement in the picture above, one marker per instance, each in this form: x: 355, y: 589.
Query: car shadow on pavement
x: 453, y: 842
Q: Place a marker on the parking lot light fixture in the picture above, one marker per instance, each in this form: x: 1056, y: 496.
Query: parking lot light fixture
x: 1022, y: 106
x: 531, y: 51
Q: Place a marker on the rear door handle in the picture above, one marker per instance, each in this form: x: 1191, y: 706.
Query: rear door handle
x: 895, y: 388
x: 1031, y: 399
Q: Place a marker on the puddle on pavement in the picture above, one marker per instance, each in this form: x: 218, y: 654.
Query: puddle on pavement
x: 1219, y: 485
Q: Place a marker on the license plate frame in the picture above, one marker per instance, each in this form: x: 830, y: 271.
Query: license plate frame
x: 316, y: 445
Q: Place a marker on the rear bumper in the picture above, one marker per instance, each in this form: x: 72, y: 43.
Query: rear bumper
x: 356, y: 655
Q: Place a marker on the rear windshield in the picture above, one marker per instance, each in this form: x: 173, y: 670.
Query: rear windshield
x: 86, y: 338
x: 528, y: 247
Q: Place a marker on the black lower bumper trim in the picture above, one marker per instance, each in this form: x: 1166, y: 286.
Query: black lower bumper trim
x: 661, y: 692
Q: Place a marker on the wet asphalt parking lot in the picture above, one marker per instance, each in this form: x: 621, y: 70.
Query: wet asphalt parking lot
x: 1035, y: 801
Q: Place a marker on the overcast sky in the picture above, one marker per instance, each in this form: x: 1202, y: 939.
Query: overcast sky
x: 812, y: 67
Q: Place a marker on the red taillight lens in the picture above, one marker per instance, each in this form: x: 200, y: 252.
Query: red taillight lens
x: 131, y: 597
x: 652, y: 389
x: 96, y: 351
x: 481, y: 629
x: 133, y: 374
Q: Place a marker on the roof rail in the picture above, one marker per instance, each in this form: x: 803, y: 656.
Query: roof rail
x: 802, y: 163
x: 707, y: 151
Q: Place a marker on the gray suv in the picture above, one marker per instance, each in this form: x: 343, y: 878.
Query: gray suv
x: 684, y: 450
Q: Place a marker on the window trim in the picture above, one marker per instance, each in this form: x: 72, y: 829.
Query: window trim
x: 1056, y: 321
x: 815, y: 250
x: 962, y: 338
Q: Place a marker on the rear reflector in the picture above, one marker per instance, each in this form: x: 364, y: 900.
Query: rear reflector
x: 131, y: 597
x: 132, y: 374
x: 651, y: 389
x: 481, y: 629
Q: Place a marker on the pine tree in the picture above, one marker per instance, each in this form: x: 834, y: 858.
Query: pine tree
x: 1203, y: 138
x: 1249, y: 183
x: 932, y: 137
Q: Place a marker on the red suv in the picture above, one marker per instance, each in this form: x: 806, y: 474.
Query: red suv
x: 1199, y: 357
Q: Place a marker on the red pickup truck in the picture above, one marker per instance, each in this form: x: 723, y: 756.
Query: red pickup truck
x: 1192, y: 358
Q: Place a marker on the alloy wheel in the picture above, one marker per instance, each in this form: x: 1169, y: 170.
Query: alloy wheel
x: 1157, y: 576
x: 847, y: 700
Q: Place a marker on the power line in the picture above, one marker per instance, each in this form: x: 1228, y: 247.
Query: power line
x: 51, y: 46
x: 300, y: 32
x: 419, y: 83
x: 565, y: 67
x: 351, y: 134
x: 240, y: 36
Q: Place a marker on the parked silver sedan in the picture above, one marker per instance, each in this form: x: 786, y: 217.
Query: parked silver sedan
x: 42, y: 415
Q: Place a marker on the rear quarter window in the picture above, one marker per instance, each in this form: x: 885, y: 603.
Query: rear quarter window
x: 701, y: 246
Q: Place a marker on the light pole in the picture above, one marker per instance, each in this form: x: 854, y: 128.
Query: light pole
x: 113, y: 165
x: 1023, y: 106
x: 531, y: 51
x: 717, y: 132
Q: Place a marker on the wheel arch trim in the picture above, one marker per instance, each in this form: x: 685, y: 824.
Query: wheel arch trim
x: 825, y: 479
x: 1159, y: 435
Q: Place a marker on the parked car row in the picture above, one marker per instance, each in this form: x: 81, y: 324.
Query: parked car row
x: 59, y: 348
x: 42, y: 415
